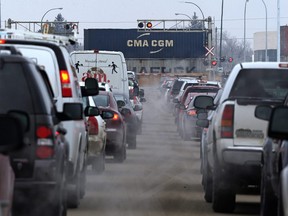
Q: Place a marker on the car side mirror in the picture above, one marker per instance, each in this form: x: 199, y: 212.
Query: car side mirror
x: 278, y: 127
x: 71, y: 111
x: 263, y: 112
x: 141, y: 93
x: 91, y: 111
x: 125, y: 112
x: 120, y: 103
x: 106, y: 114
x: 137, y: 107
x: 204, y: 102
x: 90, y: 88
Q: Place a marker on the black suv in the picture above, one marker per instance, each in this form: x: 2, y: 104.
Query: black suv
x: 40, y: 166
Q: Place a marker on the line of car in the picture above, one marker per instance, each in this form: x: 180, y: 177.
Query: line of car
x: 243, y: 147
x: 64, y: 128
x: 243, y: 135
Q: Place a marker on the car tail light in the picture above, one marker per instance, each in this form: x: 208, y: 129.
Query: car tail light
x: 45, y: 147
x: 191, y: 112
x: 115, y: 117
x: 227, y: 122
x: 2, y: 41
x: 93, y: 126
x: 65, y: 83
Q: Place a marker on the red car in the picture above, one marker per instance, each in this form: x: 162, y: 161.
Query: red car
x: 115, y: 125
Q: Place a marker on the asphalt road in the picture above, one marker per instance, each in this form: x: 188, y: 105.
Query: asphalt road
x: 159, y: 178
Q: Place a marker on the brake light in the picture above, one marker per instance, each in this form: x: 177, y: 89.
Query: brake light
x: 115, y: 117
x: 2, y: 41
x: 65, y: 83
x: 43, y: 132
x: 45, y: 147
x: 93, y: 126
x: 191, y: 112
x: 227, y: 122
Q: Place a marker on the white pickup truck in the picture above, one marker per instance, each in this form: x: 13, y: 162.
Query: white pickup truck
x: 234, y: 139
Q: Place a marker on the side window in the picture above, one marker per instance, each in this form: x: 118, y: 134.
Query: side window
x: 14, y: 86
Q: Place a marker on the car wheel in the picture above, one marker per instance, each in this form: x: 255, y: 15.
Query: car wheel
x: 268, y: 203
x: 120, y: 156
x: 59, y: 207
x: 132, y: 142
x: 73, y: 194
x: 223, y: 199
x: 207, y: 182
x: 140, y: 129
x: 98, y: 165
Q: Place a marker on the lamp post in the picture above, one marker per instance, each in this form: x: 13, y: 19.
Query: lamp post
x: 221, y: 30
x: 188, y: 2
x: 177, y: 14
x: 266, y: 57
x: 46, y: 13
x: 245, y: 30
x: 278, y: 31
x: 190, y: 18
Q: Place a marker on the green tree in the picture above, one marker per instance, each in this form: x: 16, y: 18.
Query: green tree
x: 61, y: 26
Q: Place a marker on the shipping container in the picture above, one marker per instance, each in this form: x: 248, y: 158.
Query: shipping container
x: 147, y: 45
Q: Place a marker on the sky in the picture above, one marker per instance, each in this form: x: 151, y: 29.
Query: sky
x: 125, y: 13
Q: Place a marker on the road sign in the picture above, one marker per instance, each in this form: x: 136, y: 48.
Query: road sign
x: 209, y: 51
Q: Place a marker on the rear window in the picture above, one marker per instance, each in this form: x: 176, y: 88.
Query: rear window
x: 262, y: 83
x: 101, y: 100
x: 44, y: 57
x: 177, y: 85
x: 14, y: 96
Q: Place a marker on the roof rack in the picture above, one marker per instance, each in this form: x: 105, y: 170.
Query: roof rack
x: 20, y: 34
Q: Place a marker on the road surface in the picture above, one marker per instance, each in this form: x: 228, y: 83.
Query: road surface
x: 159, y: 178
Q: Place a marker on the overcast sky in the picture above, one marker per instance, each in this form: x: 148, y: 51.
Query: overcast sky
x: 124, y: 13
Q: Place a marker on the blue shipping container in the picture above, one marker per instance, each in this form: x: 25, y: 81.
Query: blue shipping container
x: 147, y: 45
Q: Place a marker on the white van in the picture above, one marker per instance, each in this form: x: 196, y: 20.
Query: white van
x: 106, y: 66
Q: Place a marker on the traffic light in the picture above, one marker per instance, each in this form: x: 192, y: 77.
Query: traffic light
x: 230, y: 59
x: 213, y: 62
x: 140, y: 25
x: 149, y: 25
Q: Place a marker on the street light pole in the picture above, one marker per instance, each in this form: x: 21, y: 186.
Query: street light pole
x: 177, y: 14
x: 245, y: 30
x: 188, y: 2
x: 221, y: 30
x: 278, y: 31
x: 190, y: 18
x: 46, y: 13
x: 266, y: 57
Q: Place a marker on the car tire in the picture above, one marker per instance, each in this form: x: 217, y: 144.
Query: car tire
x: 132, y: 142
x: 268, y: 201
x: 223, y: 199
x: 73, y: 192
x: 59, y: 207
x: 207, y: 182
x: 120, y: 155
x: 98, y: 165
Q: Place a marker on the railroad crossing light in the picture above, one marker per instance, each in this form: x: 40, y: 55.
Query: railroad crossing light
x: 223, y: 59
x: 140, y: 25
x: 149, y: 25
x: 230, y: 59
x: 213, y: 62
